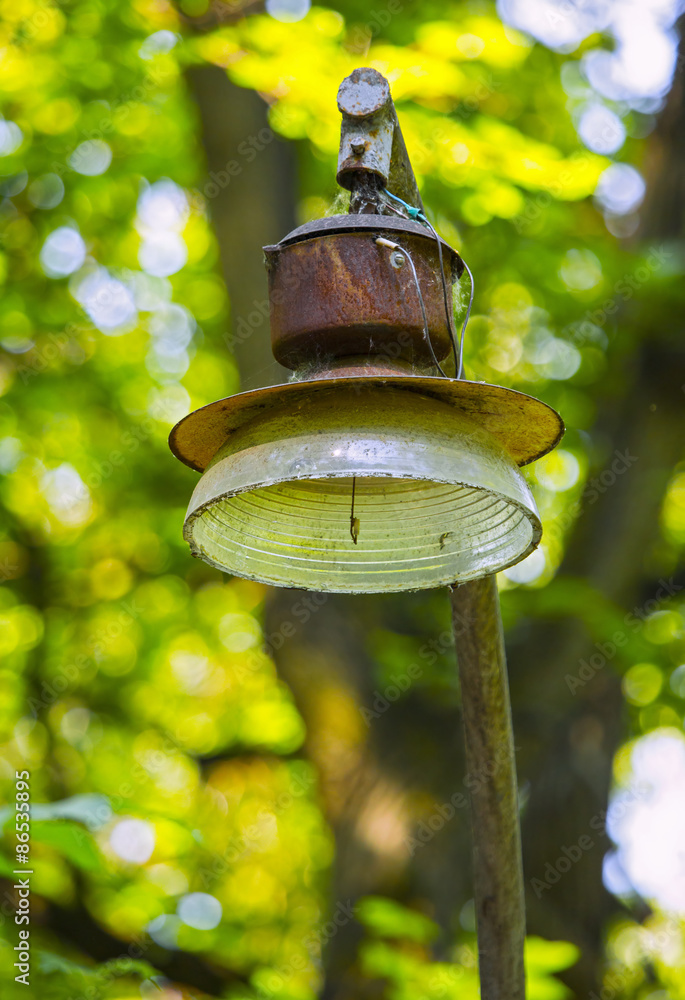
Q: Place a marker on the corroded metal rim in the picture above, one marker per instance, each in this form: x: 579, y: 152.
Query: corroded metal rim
x: 335, y: 224
x: 525, y: 426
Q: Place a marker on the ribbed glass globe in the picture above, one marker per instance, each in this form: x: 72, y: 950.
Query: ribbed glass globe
x: 431, y: 497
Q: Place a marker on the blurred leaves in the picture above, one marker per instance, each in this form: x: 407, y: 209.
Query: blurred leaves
x: 68, y: 979
x: 138, y: 686
x: 386, y: 918
x: 543, y: 958
x: 70, y: 841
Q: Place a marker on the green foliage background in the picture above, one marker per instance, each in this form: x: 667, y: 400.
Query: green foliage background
x: 135, y: 683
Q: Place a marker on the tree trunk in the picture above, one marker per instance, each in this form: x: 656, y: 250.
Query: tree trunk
x: 250, y: 190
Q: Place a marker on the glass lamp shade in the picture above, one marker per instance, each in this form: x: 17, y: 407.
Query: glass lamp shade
x: 434, y: 498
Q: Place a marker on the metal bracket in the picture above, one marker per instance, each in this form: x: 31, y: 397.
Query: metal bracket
x: 372, y: 150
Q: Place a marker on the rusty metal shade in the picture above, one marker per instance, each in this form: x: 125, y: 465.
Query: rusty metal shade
x: 438, y: 495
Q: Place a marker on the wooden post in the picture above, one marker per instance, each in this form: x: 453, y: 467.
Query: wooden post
x: 488, y: 734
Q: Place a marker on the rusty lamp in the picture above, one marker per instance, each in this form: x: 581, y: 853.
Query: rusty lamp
x: 371, y: 470
x: 368, y: 471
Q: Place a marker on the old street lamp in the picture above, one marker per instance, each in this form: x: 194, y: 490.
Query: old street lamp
x: 372, y: 470
x: 369, y: 471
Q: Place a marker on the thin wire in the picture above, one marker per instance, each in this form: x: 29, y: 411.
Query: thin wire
x: 413, y: 212
x: 466, y: 319
x: 396, y: 211
x: 426, y: 331
x: 448, y: 311
x: 416, y: 213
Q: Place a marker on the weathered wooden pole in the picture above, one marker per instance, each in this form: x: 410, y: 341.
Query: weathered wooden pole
x: 488, y: 735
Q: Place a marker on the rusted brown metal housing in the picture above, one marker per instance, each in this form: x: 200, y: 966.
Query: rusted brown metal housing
x: 335, y: 293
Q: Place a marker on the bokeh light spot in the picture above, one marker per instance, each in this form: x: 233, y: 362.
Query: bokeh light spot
x: 108, y: 302
x: 11, y: 137
x: 642, y: 683
x: 580, y: 270
x: 63, y: 252
x: 91, y: 158
x: 528, y: 570
x: 601, y: 130
x: 162, y: 254
x: 200, y: 910
x: 620, y: 189
x: 133, y: 840
x: 46, y: 191
x: 158, y: 43
x: 288, y: 11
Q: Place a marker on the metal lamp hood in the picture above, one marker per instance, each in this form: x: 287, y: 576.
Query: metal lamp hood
x: 366, y: 473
